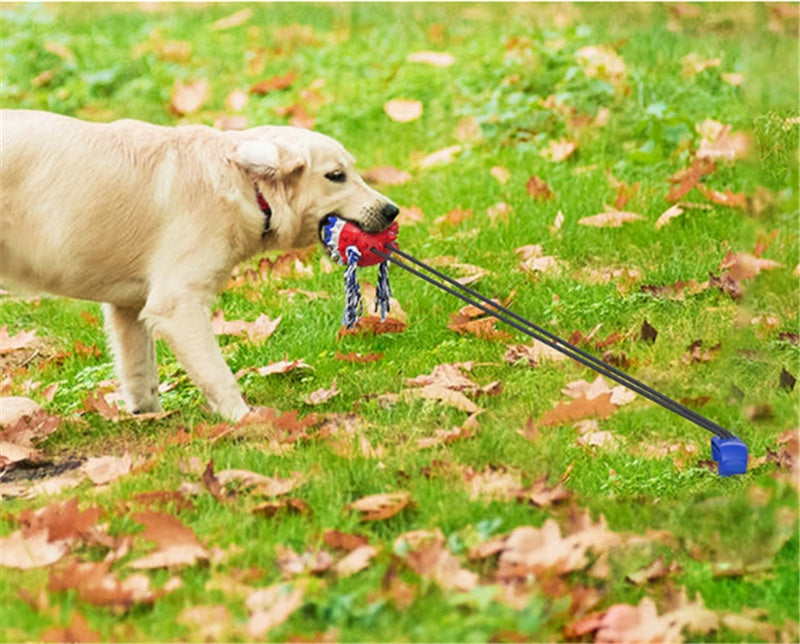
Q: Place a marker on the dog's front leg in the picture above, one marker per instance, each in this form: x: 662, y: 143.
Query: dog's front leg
x: 184, y: 321
x: 135, y: 357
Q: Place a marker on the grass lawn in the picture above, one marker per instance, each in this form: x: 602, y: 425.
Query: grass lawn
x: 497, y: 519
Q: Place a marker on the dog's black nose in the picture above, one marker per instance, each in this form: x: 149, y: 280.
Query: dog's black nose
x: 389, y: 212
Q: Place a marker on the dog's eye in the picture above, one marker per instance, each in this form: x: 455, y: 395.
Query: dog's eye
x: 337, y: 176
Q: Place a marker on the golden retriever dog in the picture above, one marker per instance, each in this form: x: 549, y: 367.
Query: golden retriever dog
x: 151, y: 220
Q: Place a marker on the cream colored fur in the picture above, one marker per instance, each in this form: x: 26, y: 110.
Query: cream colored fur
x: 151, y: 220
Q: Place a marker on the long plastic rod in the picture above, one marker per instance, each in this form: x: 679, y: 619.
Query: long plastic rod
x: 553, y: 341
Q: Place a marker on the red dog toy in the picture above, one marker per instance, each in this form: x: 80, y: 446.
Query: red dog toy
x: 349, y: 245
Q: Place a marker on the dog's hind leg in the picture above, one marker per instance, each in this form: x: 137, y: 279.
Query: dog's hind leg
x: 134, y: 356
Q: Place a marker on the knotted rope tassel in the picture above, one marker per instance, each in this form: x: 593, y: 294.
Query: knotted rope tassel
x: 349, y: 245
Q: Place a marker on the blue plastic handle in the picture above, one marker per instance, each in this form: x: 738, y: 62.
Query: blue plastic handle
x: 730, y: 453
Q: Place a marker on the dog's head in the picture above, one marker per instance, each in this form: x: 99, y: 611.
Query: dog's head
x: 306, y: 176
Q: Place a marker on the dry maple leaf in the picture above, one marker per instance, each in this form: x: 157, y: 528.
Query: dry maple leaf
x: 20, y: 340
x: 454, y: 217
x: 260, y: 484
x: 310, y: 562
x: 322, y: 395
x: 692, y: 64
x: 602, y: 62
x: 355, y: 561
x: 273, y: 84
x: 539, y: 189
x: 189, y: 97
x: 542, y: 495
x: 96, y: 585
x: 445, y: 396
x: 668, y: 215
x: 501, y: 174
x: 727, y: 198
x: 207, y: 622
x: 273, y: 368
x: 62, y: 520
x: 344, y: 540
x: 261, y: 329
x: 493, y: 484
x: 558, y: 150
x: 533, y: 354
x: 271, y: 607
x: 387, y: 175
x: 529, y: 550
x: 403, y: 110
x: 656, y: 570
x: 233, y: 20
x: 77, y: 631
x: 499, y: 212
x: 15, y: 408
x: 742, y: 266
x: 718, y: 142
x: 376, y: 507
x: 579, y: 408
x: 374, y: 325
x: 611, y: 218
x: 96, y: 401
x: 101, y: 470
x: 686, y: 179
x: 440, y: 157
x: 444, y: 437
x: 427, y: 555
x: 449, y: 375
x: 271, y: 508
x: 482, y: 327
x: 177, y: 545
x: 31, y: 550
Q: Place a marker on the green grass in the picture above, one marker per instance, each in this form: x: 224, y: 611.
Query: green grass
x: 360, y: 51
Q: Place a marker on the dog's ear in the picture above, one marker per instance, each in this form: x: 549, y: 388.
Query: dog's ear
x: 268, y: 160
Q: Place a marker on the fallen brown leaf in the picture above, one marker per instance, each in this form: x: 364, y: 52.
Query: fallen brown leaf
x: 273, y: 84
x: 686, y: 179
x: 176, y: 544
x: 77, y: 631
x: 271, y: 607
x: 355, y: 561
x: 322, y: 395
x: 344, y: 540
x: 742, y: 266
x: 387, y: 175
x: 32, y: 550
x: 403, y: 110
x: 440, y: 157
x: 656, y: 570
x: 20, y: 340
x: 581, y: 407
x: 257, y: 331
x: 101, y: 470
x: 668, y: 215
x: 539, y: 189
x: 427, y: 555
x: 189, y: 97
x: 235, y: 19
x: 96, y: 585
x: 611, y: 218
x: 376, y: 507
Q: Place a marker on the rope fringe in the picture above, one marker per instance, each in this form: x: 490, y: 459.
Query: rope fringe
x: 354, y: 305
